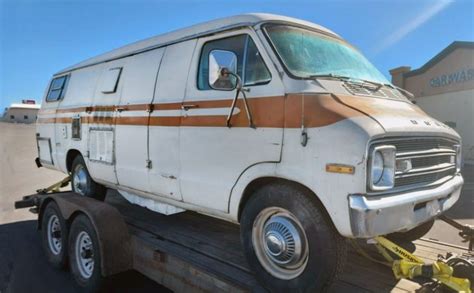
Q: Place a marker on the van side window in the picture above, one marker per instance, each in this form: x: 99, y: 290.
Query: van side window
x: 110, y: 81
x: 250, y: 65
x: 57, y: 89
x: 256, y: 72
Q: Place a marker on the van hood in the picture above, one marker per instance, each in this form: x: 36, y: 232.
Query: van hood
x: 397, y: 116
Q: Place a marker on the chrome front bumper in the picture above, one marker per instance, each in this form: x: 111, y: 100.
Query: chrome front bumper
x: 380, y: 215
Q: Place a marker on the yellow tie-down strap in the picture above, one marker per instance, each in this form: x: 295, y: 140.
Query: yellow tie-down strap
x: 411, y: 266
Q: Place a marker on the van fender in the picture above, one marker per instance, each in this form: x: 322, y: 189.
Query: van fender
x: 114, y: 239
x: 250, y: 174
x: 273, y: 170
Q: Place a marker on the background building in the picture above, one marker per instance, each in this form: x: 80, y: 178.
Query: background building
x: 25, y: 112
x: 444, y: 88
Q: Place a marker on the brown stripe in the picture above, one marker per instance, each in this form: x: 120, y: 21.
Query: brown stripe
x: 142, y: 120
x: 289, y: 111
x: 378, y: 107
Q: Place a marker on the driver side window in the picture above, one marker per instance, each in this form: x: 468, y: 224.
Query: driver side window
x: 250, y: 65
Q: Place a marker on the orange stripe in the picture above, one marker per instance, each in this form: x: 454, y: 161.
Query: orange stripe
x: 290, y: 111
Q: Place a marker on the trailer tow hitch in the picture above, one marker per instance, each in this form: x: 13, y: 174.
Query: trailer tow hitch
x: 465, y: 231
x: 33, y: 201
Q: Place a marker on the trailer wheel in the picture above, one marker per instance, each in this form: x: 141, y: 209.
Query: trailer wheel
x: 413, y: 234
x: 82, y: 182
x: 289, y: 241
x: 54, y: 236
x: 84, y: 254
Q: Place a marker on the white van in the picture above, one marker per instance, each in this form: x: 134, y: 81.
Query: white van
x: 271, y: 122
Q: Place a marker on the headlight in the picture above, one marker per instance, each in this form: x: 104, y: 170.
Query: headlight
x: 382, y: 168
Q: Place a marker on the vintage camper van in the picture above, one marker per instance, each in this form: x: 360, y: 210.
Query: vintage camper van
x: 268, y: 121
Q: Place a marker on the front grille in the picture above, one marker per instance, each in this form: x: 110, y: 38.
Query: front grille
x: 422, y: 144
x: 425, y: 178
x: 422, y: 161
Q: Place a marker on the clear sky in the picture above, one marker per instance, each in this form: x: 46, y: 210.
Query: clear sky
x: 38, y: 38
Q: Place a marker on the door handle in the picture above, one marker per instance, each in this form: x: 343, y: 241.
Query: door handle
x: 187, y: 107
x: 120, y: 109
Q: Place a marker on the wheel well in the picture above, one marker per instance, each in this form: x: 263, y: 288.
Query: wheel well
x: 71, y: 155
x: 263, y: 181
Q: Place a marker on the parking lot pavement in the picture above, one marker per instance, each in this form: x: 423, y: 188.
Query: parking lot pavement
x: 23, y: 266
x: 462, y: 211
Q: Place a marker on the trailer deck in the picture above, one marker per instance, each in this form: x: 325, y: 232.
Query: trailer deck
x: 192, y: 252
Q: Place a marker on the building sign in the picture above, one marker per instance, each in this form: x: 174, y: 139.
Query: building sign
x: 460, y: 76
x: 30, y: 102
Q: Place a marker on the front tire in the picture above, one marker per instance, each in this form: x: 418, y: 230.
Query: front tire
x: 289, y: 241
x: 54, y: 236
x: 82, y: 182
x: 84, y: 255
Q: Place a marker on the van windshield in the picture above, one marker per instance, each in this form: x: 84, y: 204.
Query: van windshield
x: 307, y: 54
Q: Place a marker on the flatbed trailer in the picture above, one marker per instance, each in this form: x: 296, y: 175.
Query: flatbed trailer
x: 189, y: 252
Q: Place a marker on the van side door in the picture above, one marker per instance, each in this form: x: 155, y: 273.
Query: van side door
x: 100, y: 117
x: 165, y: 119
x: 131, y: 131
x: 213, y: 155
x: 71, y: 134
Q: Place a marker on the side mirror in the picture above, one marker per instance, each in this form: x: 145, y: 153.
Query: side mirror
x: 222, y: 68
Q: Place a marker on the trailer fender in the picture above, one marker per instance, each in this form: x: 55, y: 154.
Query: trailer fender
x: 112, y: 231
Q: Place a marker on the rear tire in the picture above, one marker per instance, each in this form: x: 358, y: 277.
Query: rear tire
x: 54, y: 236
x: 82, y: 182
x: 289, y: 241
x: 84, y: 255
x: 413, y: 234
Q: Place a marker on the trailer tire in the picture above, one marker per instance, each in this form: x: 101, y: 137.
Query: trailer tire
x: 289, y: 241
x: 84, y: 255
x: 82, y: 183
x: 413, y: 234
x: 54, y: 235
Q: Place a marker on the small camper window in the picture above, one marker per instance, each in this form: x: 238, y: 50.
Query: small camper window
x: 110, y: 81
x: 57, y: 89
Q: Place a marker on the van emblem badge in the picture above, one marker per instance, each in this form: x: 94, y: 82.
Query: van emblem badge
x: 403, y: 165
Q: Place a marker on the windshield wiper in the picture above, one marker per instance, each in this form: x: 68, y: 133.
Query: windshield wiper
x: 378, y: 84
x: 330, y: 75
x: 348, y: 78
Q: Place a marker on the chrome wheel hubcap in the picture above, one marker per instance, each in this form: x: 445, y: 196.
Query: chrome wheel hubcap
x: 54, y: 235
x: 280, y: 243
x: 80, y: 184
x: 84, y: 254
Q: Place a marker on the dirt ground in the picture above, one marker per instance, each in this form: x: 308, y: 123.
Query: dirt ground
x: 23, y: 267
